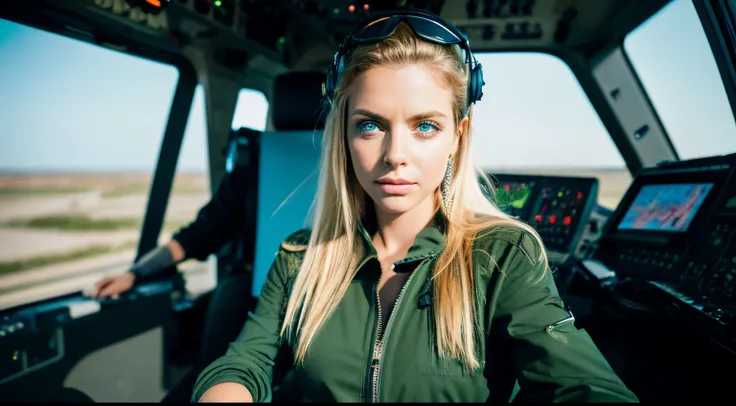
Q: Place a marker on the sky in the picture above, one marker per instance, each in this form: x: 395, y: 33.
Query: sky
x: 70, y: 106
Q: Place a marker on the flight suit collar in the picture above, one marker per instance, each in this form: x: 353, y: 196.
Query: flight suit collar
x: 429, y: 242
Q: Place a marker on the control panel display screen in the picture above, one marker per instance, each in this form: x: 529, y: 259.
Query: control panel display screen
x: 731, y: 203
x: 512, y: 197
x: 556, y: 207
x: 669, y: 207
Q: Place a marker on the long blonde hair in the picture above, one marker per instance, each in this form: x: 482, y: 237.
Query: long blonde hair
x: 331, y: 258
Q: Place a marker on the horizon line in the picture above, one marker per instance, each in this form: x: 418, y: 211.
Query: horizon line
x: 132, y: 171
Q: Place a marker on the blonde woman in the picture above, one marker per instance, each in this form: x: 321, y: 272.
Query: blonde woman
x: 411, y: 285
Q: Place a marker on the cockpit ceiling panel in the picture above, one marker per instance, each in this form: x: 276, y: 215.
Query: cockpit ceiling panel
x: 281, y: 30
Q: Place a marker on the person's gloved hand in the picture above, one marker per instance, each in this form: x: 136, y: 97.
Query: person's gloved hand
x: 149, y: 265
x: 113, y: 286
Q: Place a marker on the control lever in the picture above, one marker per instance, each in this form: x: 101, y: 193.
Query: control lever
x: 84, y: 308
x: 593, y: 226
x: 111, y: 300
x: 108, y: 300
x: 597, y: 269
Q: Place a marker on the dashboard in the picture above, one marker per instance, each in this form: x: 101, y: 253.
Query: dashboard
x: 42, y: 334
x: 675, y: 229
x: 557, y: 207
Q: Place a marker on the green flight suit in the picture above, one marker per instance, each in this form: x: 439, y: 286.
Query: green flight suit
x: 529, y: 338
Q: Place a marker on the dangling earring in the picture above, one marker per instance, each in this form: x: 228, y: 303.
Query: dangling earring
x: 446, y: 199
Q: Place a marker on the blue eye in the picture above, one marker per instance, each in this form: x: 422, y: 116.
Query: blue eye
x: 427, y: 127
x: 367, y: 127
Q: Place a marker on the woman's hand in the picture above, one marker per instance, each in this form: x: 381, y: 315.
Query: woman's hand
x: 227, y: 392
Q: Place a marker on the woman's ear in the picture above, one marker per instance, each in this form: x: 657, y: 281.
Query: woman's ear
x: 462, y: 127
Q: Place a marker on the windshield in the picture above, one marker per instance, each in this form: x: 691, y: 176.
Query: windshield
x: 80, y: 143
x: 535, y: 118
x: 81, y: 129
x: 674, y: 61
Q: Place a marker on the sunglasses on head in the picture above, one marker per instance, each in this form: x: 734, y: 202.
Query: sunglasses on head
x: 382, y: 25
x: 426, y: 26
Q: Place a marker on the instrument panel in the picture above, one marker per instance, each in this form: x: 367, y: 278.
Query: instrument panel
x: 663, y: 216
x: 709, y: 268
x: 675, y: 228
x: 557, y: 207
x: 34, y: 336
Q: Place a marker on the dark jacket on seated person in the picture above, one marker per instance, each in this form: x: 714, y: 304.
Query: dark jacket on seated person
x: 219, y: 220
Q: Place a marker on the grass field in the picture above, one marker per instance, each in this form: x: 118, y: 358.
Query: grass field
x: 54, y: 219
x: 60, y: 218
x: 80, y: 222
x: 46, y: 260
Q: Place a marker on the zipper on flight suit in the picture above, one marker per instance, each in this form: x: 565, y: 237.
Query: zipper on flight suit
x: 375, y: 367
x: 570, y: 319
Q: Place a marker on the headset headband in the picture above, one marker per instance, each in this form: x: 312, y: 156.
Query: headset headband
x: 425, y: 25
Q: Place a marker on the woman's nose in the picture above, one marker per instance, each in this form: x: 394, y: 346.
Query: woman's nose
x: 396, y: 148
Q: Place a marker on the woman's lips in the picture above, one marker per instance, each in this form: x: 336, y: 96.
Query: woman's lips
x: 396, y: 187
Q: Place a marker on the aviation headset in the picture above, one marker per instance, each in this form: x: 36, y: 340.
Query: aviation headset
x: 427, y: 26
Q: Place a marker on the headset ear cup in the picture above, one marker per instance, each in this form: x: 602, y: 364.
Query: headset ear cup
x: 329, y: 85
x: 333, y: 74
x: 476, y: 83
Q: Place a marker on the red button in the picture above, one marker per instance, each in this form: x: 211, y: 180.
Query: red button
x: 567, y: 221
x: 552, y: 219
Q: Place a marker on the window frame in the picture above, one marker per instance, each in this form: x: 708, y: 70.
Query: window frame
x: 182, y: 100
x: 719, y: 24
x: 713, y: 21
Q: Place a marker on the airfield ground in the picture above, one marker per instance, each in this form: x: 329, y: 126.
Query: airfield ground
x: 59, y: 233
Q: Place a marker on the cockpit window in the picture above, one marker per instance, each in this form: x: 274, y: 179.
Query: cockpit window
x: 674, y: 61
x: 251, y: 110
x: 80, y: 132
x: 535, y: 118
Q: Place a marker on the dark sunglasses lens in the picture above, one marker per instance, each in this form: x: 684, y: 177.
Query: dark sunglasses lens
x: 378, y: 29
x: 426, y: 29
x: 432, y: 31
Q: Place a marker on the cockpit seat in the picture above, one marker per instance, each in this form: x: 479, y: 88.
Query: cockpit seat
x: 288, y: 158
x: 289, y: 165
x: 285, y: 157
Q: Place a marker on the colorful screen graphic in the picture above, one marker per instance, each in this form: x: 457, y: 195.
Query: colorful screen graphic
x: 512, y: 197
x: 665, y: 207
